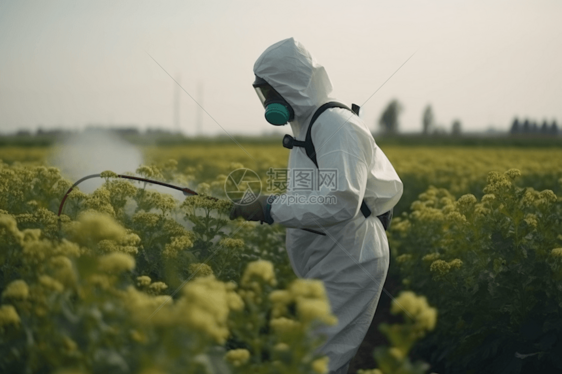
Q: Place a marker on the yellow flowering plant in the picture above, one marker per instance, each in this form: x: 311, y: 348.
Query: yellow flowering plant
x: 275, y: 332
x: 128, y: 280
x: 418, y: 319
x: 489, y: 267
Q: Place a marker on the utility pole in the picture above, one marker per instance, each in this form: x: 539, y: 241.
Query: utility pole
x: 177, y: 119
x: 199, y: 109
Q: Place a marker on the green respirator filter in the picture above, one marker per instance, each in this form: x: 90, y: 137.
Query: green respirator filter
x: 277, y: 114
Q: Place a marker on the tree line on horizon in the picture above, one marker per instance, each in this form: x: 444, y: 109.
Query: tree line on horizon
x: 527, y: 127
x: 389, y: 124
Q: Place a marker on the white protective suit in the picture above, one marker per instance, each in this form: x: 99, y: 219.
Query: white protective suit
x: 352, y: 259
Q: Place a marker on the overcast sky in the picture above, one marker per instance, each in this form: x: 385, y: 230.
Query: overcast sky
x: 71, y: 63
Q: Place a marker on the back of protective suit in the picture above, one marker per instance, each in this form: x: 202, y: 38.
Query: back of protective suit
x: 352, y: 259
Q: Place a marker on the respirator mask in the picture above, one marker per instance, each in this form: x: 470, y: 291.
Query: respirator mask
x: 277, y: 111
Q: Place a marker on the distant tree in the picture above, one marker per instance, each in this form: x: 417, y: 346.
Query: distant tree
x: 389, y: 118
x: 428, y: 120
x: 456, y: 128
x: 554, y: 128
x: 515, y: 127
x: 534, y: 128
x: 526, y: 128
x: 544, y: 128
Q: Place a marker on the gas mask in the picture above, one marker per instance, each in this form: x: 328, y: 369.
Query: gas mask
x: 277, y: 111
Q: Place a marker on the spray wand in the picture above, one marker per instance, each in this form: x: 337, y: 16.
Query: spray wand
x: 186, y: 191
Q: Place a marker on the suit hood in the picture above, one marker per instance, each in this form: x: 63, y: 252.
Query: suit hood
x: 292, y: 71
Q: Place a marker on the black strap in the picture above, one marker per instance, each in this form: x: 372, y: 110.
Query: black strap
x: 290, y: 142
x: 309, y: 145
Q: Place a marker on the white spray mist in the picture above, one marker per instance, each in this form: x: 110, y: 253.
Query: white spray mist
x: 92, y: 152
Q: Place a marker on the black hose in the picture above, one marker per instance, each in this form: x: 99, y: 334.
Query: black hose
x: 186, y: 191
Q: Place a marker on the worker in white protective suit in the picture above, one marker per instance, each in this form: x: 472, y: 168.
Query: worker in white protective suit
x: 352, y: 257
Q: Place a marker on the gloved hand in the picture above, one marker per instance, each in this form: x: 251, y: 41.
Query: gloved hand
x: 254, y: 211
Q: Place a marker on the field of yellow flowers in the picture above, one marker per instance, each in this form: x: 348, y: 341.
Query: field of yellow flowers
x: 131, y: 280
x: 479, y: 233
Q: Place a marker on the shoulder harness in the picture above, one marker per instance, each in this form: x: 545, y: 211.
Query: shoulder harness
x: 290, y: 142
